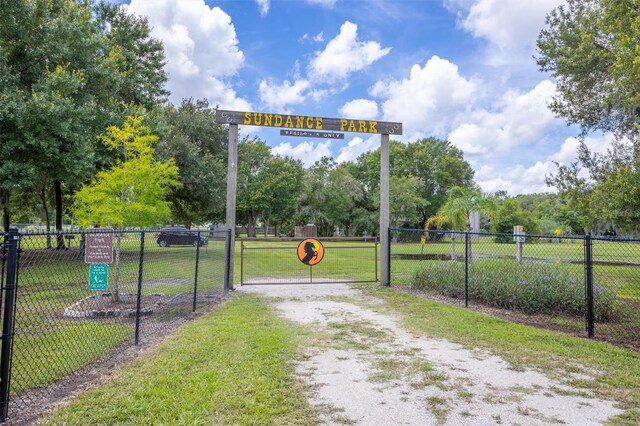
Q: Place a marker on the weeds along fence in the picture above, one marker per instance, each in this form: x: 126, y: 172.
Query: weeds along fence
x: 584, y: 285
x: 76, y: 299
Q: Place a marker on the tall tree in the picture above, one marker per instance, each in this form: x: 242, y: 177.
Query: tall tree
x: 198, y: 144
x: 436, y: 164
x: 252, y: 156
x: 65, y: 75
x: 458, y: 210
x: 282, y: 182
x: 590, y: 46
x: 133, y: 191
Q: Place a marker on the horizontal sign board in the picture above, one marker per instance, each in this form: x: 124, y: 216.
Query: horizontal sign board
x: 98, y: 248
x: 305, y: 122
x: 311, y: 134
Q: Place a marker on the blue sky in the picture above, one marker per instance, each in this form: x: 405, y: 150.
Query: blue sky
x: 461, y: 70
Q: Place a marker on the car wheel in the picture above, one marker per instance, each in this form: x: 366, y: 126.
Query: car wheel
x: 163, y: 243
x: 196, y: 243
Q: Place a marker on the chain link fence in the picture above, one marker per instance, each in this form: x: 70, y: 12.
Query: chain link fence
x: 77, y: 299
x: 582, y: 285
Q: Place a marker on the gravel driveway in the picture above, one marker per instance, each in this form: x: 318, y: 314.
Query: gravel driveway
x: 364, y: 368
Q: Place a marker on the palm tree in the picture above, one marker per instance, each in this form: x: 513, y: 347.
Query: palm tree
x: 457, y: 212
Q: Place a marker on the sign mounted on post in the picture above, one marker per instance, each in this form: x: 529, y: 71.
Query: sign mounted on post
x: 98, y: 248
x: 99, y: 276
x: 304, y: 122
x: 310, y: 134
x: 310, y: 251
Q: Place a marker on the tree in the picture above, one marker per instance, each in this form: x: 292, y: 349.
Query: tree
x: 510, y: 214
x: 252, y: 156
x: 331, y: 196
x: 68, y: 71
x: 590, y: 46
x: 457, y: 212
x: 199, y: 146
x: 436, y: 164
x: 282, y: 182
x: 133, y: 192
x: 405, y: 201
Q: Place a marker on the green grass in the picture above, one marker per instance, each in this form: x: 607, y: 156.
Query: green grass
x: 616, y: 370
x: 48, y: 346
x: 342, y: 261
x: 230, y: 367
x: 56, y: 358
x: 51, y: 280
x: 234, y: 366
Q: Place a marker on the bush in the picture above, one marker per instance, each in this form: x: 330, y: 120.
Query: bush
x: 546, y: 288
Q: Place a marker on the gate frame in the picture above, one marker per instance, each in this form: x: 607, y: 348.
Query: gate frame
x: 234, y: 118
x: 375, y: 241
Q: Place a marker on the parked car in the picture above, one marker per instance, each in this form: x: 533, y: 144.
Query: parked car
x: 180, y: 236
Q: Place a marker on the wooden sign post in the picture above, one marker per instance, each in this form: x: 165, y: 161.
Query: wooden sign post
x: 314, y: 126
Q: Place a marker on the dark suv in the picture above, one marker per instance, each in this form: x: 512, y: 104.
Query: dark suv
x: 180, y: 236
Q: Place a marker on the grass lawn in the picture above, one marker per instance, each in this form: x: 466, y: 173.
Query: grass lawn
x: 230, y: 367
x: 617, y: 370
x: 234, y: 365
x: 49, y: 346
x: 51, y: 280
x: 349, y: 260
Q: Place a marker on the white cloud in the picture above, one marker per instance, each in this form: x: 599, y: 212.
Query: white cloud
x: 344, y: 55
x: 511, y: 27
x: 356, y: 147
x: 201, y: 48
x: 318, y: 38
x: 518, y: 119
x: 516, y: 180
x: 307, y: 152
x: 264, y: 5
x: 525, y: 180
x: 324, y: 3
x: 569, y: 150
x: 428, y: 100
x: 279, y: 96
x: 506, y: 23
x: 360, y: 108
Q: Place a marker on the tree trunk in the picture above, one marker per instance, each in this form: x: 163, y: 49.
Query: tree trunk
x: 251, y: 226
x: 47, y: 218
x: 266, y: 227
x: 57, y: 186
x: 5, y: 210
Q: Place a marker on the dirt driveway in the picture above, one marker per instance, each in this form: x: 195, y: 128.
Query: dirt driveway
x: 365, y: 368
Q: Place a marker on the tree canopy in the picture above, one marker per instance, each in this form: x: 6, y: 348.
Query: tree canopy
x: 133, y: 191
x: 69, y: 69
x: 591, y: 48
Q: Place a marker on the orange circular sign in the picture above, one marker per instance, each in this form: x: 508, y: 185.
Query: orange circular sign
x: 310, y: 251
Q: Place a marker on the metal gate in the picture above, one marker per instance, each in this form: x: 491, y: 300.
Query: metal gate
x: 276, y: 261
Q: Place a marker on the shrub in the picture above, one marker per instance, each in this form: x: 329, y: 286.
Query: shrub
x: 546, y: 288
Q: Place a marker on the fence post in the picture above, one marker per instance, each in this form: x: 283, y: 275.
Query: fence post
x: 588, y: 270
x: 228, y: 283
x: 139, y: 293
x: 375, y: 256
x: 241, y: 262
x: 387, y: 252
x: 195, y: 279
x: 11, y: 283
x: 466, y: 269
